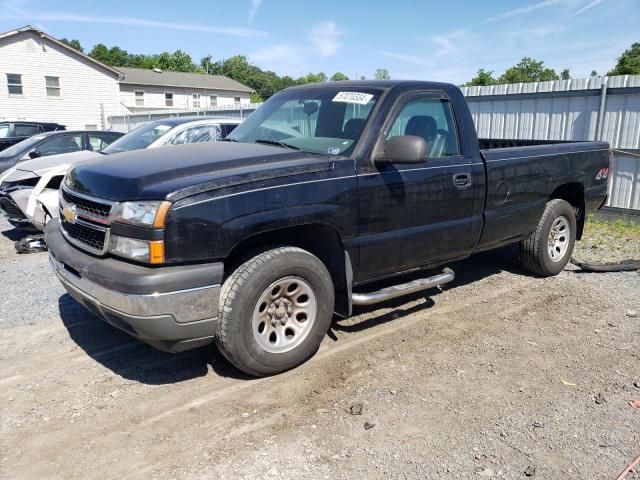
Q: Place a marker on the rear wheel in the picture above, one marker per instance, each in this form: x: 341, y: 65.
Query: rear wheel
x: 274, y: 311
x: 548, y: 249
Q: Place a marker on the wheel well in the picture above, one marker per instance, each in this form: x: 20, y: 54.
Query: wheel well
x: 322, y: 241
x: 573, y: 193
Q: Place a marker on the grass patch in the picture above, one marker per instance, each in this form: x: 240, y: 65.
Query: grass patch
x: 619, y: 228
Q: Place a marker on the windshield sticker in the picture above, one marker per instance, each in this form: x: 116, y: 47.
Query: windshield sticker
x: 334, y: 151
x: 353, y: 97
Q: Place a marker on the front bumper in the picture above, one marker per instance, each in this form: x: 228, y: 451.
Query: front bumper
x: 155, y: 305
x: 11, y: 210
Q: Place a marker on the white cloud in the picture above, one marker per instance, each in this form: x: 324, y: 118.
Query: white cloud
x: 282, y: 58
x: 16, y: 12
x: 255, y: 6
x: 276, y: 53
x: 516, y: 12
x: 449, y: 43
x: 410, y: 59
x: 325, y: 38
x: 586, y: 7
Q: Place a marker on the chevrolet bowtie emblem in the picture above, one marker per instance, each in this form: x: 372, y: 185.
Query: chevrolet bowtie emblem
x: 70, y: 214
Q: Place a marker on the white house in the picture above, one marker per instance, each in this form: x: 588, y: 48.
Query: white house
x: 42, y: 79
x: 144, y: 90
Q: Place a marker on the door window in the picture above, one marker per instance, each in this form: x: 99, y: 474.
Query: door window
x: 97, y: 141
x: 432, y: 119
x: 61, y: 144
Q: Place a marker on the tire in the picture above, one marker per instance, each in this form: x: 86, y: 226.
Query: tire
x: 536, y: 252
x: 275, y: 310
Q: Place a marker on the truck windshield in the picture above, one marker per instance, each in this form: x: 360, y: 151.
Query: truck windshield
x: 325, y: 120
x: 139, y: 138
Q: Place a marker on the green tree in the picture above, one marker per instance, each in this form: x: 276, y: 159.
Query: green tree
x: 528, y: 70
x: 207, y: 64
x: 177, y: 61
x: 594, y: 73
x: 484, y: 77
x: 256, y: 98
x: 381, y: 74
x: 113, y: 56
x: 319, y: 77
x: 629, y: 62
x: 339, y: 76
x: 565, y: 75
x: 73, y: 43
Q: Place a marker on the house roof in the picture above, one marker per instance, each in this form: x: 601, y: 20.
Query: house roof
x: 72, y: 50
x: 142, y: 76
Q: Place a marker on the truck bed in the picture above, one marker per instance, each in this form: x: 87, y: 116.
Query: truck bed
x: 520, y: 179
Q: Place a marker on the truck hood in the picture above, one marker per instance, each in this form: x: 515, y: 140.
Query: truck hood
x: 175, y: 172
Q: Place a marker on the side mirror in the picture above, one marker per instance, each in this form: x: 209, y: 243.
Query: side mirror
x: 34, y: 154
x: 405, y: 149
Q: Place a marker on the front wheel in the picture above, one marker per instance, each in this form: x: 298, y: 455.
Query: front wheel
x: 549, y: 248
x: 274, y: 311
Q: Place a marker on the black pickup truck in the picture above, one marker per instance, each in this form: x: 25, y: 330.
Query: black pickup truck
x: 256, y: 242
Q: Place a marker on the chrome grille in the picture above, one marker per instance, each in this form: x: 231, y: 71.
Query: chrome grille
x: 84, y: 220
x: 92, y: 207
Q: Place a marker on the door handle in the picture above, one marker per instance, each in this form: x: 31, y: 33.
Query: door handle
x: 462, y: 180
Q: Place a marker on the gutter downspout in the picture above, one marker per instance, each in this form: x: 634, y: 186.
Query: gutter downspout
x: 601, y: 112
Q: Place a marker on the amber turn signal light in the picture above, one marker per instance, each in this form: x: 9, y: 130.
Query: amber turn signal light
x: 161, y: 215
x: 156, y: 251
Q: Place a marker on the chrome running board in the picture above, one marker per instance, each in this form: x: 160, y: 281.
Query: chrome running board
x: 395, y: 291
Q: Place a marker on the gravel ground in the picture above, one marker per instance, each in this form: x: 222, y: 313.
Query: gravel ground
x: 498, y: 375
x: 33, y: 291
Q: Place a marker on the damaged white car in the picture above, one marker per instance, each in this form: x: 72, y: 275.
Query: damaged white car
x: 29, y: 191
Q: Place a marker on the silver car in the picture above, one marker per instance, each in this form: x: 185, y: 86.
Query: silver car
x: 29, y: 191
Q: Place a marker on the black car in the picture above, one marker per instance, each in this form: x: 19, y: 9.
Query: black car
x: 54, y: 143
x: 14, y: 132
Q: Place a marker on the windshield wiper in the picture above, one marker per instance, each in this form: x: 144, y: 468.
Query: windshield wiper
x: 277, y: 143
x: 227, y: 139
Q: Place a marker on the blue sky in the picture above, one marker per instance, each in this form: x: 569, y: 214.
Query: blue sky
x: 445, y: 41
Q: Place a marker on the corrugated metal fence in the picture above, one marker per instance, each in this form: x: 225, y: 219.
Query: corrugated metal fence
x: 597, y: 108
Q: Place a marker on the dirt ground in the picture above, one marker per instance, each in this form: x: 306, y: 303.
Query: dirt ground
x: 498, y: 375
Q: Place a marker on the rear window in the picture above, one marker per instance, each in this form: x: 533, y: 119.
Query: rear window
x: 4, y: 130
x: 26, y: 130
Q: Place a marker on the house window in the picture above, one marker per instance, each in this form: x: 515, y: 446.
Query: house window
x: 196, y: 100
x: 14, y: 83
x: 213, y: 100
x: 168, y: 99
x: 236, y: 100
x: 139, y: 99
x: 53, y: 86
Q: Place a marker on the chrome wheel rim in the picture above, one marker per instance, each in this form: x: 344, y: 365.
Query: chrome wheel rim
x: 284, y: 315
x: 559, y: 239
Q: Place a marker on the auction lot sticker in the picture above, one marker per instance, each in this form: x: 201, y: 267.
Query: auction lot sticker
x: 353, y: 97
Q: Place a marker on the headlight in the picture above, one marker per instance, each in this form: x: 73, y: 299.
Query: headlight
x: 148, y: 251
x: 144, y: 214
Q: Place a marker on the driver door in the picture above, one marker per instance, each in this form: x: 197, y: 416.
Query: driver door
x: 415, y: 215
